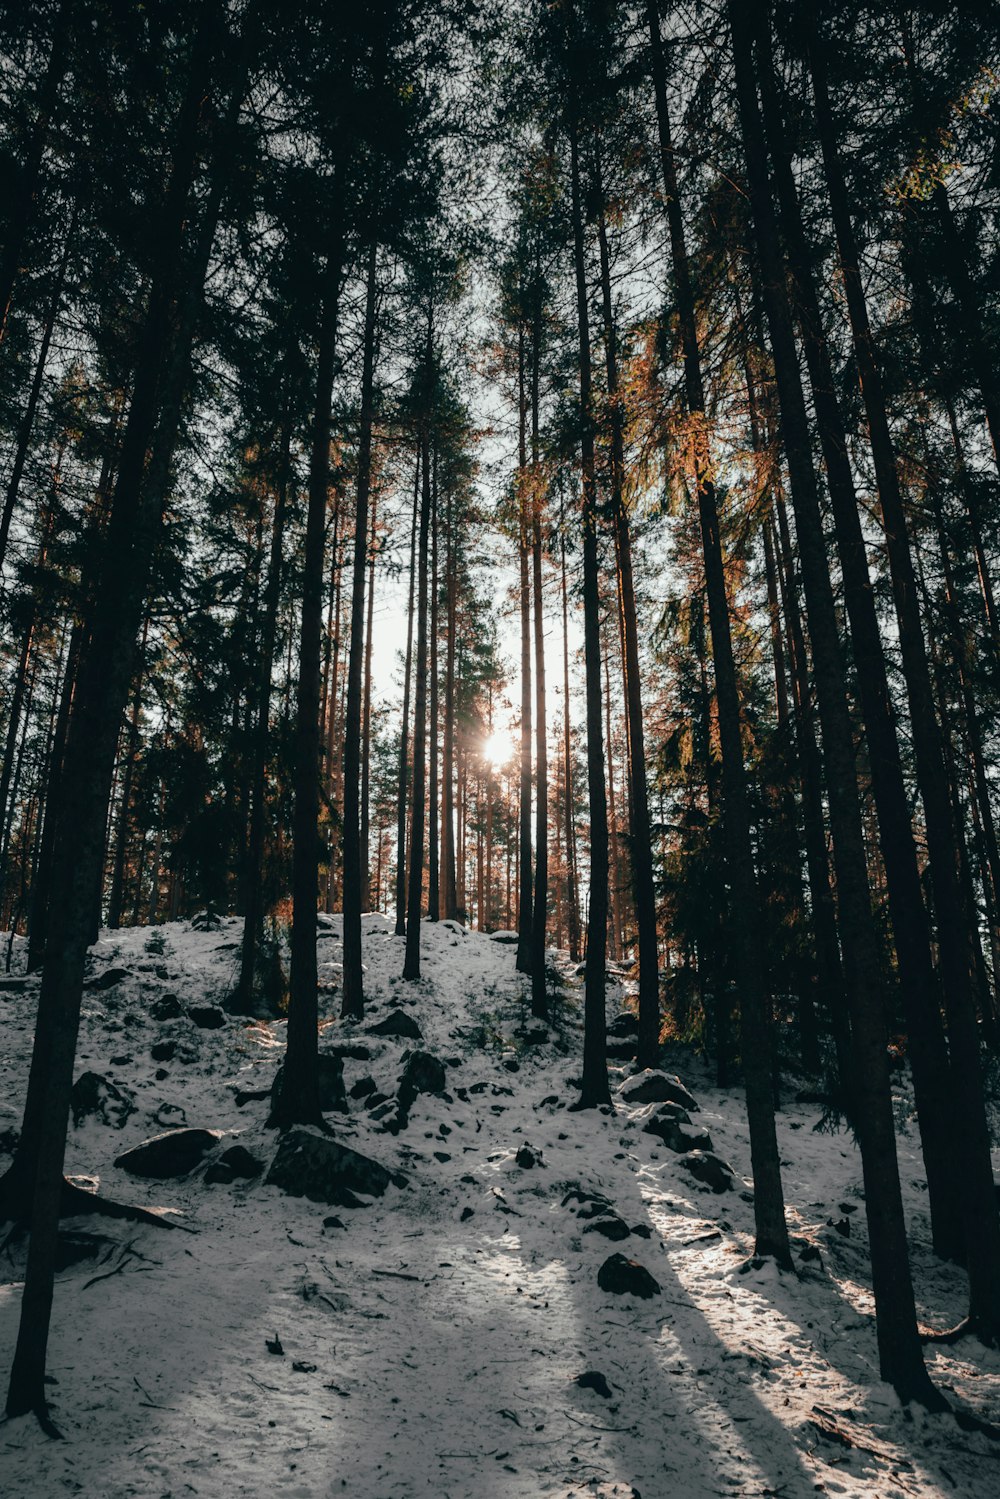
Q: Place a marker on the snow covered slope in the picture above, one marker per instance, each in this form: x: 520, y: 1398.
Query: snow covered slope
x: 432, y: 1344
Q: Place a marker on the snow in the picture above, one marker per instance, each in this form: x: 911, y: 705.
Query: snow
x: 432, y: 1351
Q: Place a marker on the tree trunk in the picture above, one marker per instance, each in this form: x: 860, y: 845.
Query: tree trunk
x: 297, y: 1101
x: 411, y: 964
x: 745, y: 913
x: 433, y: 860
x: 595, y: 1090
x: 244, y: 999
x: 640, y: 838
x: 968, y: 1108
x: 103, y: 687
x: 524, y: 884
x: 900, y: 1357
x: 353, y: 1005
x: 404, y: 733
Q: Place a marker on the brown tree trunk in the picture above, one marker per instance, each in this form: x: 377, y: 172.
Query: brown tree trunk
x: 355, y: 876
x: 900, y: 1357
x: 968, y: 1107
x: 745, y: 913
x: 595, y: 1090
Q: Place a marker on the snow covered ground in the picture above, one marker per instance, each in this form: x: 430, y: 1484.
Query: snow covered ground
x: 431, y: 1345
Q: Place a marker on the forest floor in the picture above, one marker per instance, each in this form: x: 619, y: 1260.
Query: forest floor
x: 432, y: 1345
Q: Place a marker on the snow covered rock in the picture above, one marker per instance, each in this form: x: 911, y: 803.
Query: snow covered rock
x: 422, y: 1073
x: 709, y: 1169
x: 670, y: 1123
x: 332, y: 1096
x: 97, y: 1097
x: 397, y: 1023
x: 235, y: 1164
x: 308, y: 1164
x: 108, y: 979
x: 174, y: 1153
x: 609, y: 1226
x: 653, y: 1086
x: 506, y: 939
x: 625, y: 1277
x: 168, y: 1007
x: 208, y: 1017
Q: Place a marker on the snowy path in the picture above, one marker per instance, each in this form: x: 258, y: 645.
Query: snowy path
x: 439, y: 1347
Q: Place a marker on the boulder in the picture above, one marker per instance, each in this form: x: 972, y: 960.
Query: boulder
x: 422, y: 1073
x: 398, y: 1024
x: 235, y: 1164
x: 594, y: 1380
x: 174, y: 1153
x: 108, y: 979
x: 332, y: 1097
x: 242, y: 1162
x: 363, y: 1087
x: 350, y: 1051
x: 625, y: 1277
x: 609, y: 1226
x: 97, y: 1097
x: 308, y: 1164
x: 652, y: 1086
x: 163, y: 1051
x: 168, y: 1007
x: 709, y: 1169
x: 208, y: 1017
x: 505, y: 938
x: 676, y: 1132
x: 527, y: 1158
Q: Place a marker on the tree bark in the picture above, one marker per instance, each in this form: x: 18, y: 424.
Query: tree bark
x: 353, y: 1005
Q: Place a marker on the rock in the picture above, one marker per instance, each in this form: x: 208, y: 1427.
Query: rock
x: 609, y: 1226
x: 334, y: 1222
x: 621, y: 1051
x: 512, y: 1064
x: 506, y: 939
x: 625, y: 1024
x: 242, y: 1162
x: 363, y: 1087
x: 308, y: 1164
x: 592, y: 1380
x: 332, y: 1097
x: 174, y: 1153
x: 422, y: 1073
x: 397, y: 1023
x: 527, y: 1158
x: 108, y: 979
x: 8, y: 1140
x: 375, y: 1099
x: 208, y: 1017
x: 710, y: 1169
x: 592, y: 1204
x: 642, y: 1230
x: 163, y: 1051
x: 97, y: 1097
x: 652, y: 1086
x: 676, y: 1133
x: 467, y: 1213
x: 350, y: 1051
x: 168, y: 1007
x: 622, y: 1276
x: 170, y: 1115
x: 219, y: 1175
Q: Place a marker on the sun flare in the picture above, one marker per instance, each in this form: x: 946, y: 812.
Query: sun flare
x: 498, y: 748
